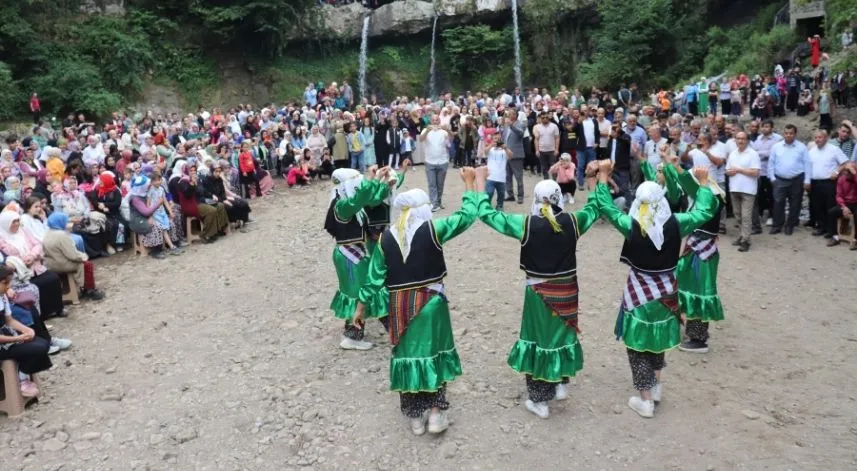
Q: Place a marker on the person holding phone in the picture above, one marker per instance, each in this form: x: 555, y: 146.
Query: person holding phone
x: 496, y: 158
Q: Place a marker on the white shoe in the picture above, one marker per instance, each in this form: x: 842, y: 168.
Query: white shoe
x: 538, y: 408
x: 561, y: 392
x: 769, y: 222
x: 418, y: 425
x: 656, y: 391
x: 53, y: 350
x: 351, y: 344
x: 62, y: 344
x: 570, y: 199
x: 438, y: 422
x: 643, y: 408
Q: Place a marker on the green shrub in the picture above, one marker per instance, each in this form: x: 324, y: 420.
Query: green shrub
x: 12, y: 101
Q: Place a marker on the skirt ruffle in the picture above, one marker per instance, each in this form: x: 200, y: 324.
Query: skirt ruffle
x: 425, y: 357
x: 704, y: 308
x: 697, y: 294
x: 651, y: 327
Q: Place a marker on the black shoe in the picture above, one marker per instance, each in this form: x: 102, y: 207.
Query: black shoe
x: 809, y: 224
x: 789, y: 230
x: 93, y: 294
x: 756, y: 231
x: 818, y: 232
x: 722, y: 229
x: 694, y: 346
x: 521, y: 201
x: 828, y: 236
x: 775, y: 230
x: 745, y: 246
x: 737, y: 242
x: 509, y: 198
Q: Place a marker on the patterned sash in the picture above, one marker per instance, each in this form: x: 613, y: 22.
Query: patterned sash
x: 353, y: 252
x: 560, y: 295
x: 405, y: 305
x: 642, y: 288
x: 704, y: 248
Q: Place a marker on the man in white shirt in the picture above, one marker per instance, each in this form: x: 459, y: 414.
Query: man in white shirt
x: 652, y: 149
x: 436, y: 143
x: 546, y: 134
x: 94, y: 152
x: 827, y: 161
x: 496, y: 159
x: 604, y: 128
x: 743, y: 167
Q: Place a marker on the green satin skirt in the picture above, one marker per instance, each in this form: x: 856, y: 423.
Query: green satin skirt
x: 651, y: 328
x: 425, y: 358
x: 547, y: 349
x: 697, y: 293
x: 350, y: 277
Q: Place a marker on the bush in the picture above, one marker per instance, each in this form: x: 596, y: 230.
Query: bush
x: 12, y: 101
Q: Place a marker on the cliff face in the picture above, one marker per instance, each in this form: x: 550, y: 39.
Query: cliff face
x: 405, y: 17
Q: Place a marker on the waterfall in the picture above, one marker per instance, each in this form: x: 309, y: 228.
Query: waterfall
x: 517, y: 38
x: 364, y: 47
x: 432, y: 91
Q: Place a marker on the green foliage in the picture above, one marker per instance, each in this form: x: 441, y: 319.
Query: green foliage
x: 475, y: 50
x: 840, y: 16
x: 70, y: 84
x: 11, y: 98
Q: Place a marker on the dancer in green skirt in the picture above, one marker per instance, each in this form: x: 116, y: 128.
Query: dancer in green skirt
x: 347, y: 222
x: 548, y: 352
x: 408, y: 263
x: 649, y: 318
x: 696, y: 271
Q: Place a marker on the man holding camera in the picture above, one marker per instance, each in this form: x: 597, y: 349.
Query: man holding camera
x: 512, y: 132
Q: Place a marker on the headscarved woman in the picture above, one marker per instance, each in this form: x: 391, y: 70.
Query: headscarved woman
x: 215, y: 188
x: 61, y: 256
x: 141, y: 212
x: 649, y: 319
x: 190, y: 193
x: 408, y: 263
x: 548, y: 352
x: 90, y: 225
x: 107, y: 200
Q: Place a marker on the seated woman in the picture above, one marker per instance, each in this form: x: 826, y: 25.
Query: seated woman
x: 142, y: 220
x: 16, y: 244
x: 302, y: 172
x: 166, y: 217
x: 61, y: 256
x: 91, y: 226
x: 12, y: 191
x: 19, y: 342
x: 237, y: 209
x: 190, y: 194
x: 107, y: 199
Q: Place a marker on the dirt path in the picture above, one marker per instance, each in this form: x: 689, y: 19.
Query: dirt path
x: 227, y: 358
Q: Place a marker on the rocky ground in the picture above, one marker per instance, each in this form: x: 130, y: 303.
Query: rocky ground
x: 227, y: 358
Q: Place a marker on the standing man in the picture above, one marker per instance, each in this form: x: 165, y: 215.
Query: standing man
x: 604, y: 128
x: 512, y: 131
x: 845, y: 140
x: 763, y: 145
x: 436, y: 141
x: 827, y: 162
x: 35, y: 107
x: 638, y: 141
x: 547, y: 142
x: 789, y: 170
x: 620, y: 155
x: 691, y: 93
x: 743, y: 168
x: 348, y: 94
x: 587, y: 139
x: 652, y: 149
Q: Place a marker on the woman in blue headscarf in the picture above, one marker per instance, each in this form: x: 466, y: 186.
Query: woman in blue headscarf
x: 62, y: 256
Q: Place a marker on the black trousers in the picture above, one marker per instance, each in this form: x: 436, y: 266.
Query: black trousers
x: 246, y: 181
x: 764, y: 201
x: 693, y: 108
x: 822, y: 197
x: 791, y: 190
x: 835, y: 213
x: 32, y: 356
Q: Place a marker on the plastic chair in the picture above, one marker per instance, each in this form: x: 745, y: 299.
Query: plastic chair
x: 13, y: 402
x: 71, y: 292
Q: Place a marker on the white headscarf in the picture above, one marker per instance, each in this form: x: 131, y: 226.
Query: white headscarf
x: 415, y: 209
x: 345, y: 181
x: 178, y: 169
x: 546, y: 195
x: 651, y: 210
x: 15, y: 239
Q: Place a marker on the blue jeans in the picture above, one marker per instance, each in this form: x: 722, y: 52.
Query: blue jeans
x: 583, y: 158
x: 492, y: 187
x: 357, y: 162
x: 436, y: 176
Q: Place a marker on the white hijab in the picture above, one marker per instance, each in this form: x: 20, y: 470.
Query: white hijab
x: 546, y: 195
x: 415, y: 209
x: 36, y: 227
x: 346, y: 181
x: 651, y: 210
x: 16, y: 239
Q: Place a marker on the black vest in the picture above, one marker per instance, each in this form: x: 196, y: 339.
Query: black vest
x: 378, y: 216
x: 345, y: 232
x: 640, y: 253
x: 545, y: 253
x: 425, y: 264
x: 712, y: 226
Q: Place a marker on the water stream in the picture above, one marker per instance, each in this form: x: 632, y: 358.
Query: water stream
x: 364, y: 48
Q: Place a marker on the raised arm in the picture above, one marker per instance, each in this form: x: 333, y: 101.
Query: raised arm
x: 621, y: 221
x: 451, y: 226
x: 703, y: 207
x: 587, y: 215
x: 368, y: 193
x: 684, y: 179
x: 649, y: 172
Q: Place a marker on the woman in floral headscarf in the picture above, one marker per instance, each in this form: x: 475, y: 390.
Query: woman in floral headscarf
x: 107, y: 200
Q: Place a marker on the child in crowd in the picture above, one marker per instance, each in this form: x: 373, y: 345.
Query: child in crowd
x: 406, y: 150
x: 164, y: 214
x: 564, y: 170
x: 496, y: 158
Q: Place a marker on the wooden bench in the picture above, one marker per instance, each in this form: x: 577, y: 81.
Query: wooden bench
x: 71, y: 292
x: 13, y: 402
x: 139, y: 248
x: 190, y: 236
x: 846, y: 229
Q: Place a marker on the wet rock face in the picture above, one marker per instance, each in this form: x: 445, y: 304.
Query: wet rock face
x: 106, y: 7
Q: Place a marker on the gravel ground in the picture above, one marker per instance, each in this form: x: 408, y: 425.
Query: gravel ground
x: 227, y: 358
